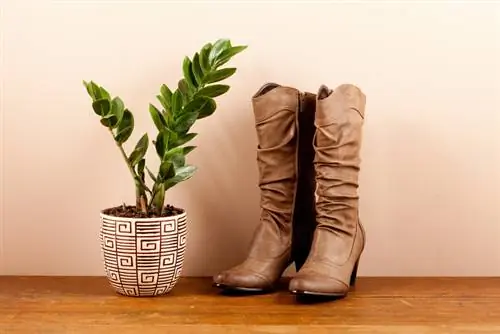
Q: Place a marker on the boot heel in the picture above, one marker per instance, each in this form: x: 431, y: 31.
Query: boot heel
x: 354, y: 274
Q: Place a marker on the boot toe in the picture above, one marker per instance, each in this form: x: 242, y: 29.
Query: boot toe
x: 318, y: 285
x: 244, y: 280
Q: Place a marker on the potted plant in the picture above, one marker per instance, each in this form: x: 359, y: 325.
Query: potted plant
x: 143, y: 245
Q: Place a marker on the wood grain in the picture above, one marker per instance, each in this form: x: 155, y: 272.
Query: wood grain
x: 377, y: 305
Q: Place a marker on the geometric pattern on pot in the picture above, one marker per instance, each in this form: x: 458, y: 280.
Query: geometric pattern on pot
x: 143, y: 257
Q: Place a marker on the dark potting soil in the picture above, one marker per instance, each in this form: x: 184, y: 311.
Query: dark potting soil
x: 131, y: 211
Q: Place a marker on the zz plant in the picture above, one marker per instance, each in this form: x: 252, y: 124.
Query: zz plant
x: 193, y: 99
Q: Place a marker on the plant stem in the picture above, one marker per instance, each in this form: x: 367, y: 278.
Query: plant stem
x: 140, y: 201
x: 139, y: 185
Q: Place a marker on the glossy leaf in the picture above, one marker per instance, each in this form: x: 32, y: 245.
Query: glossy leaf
x: 188, y: 74
x: 204, y: 63
x: 97, y: 90
x: 188, y: 149
x: 184, y: 90
x: 157, y: 117
x: 104, y: 93
x: 227, y: 54
x: 178, y: 150
x: 178, y: 161
x: 219, y: 46
x: 185, y: 122
x: 166, y: 170
x: 167, y: 94
x: 213, y: 90
x: 93, y: 90
x: 88, y: 88
x: 109, y: 121
x: 208, y: 109
x: 197, y: 71
x: 219, y: 75
x: 183, y: 140
x: 117, y: 108
x: 140, y: 150
x: 164, y: 103
x: 125, y: 127
x: 176, y: 102
x: 196, y: 105
x: 115, y: 115
x: 101, y: 107
x: 161, y: 143
x: 168, y: 117
x: 181, y: 174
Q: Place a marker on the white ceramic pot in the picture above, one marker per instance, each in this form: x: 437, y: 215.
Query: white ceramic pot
x: 143, y: 256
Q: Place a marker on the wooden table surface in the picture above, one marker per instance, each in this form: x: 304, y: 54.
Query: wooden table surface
x: 378, y: 305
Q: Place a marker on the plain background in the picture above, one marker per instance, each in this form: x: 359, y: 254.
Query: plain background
x: 430, y: 179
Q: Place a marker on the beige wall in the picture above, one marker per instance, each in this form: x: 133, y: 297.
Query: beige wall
x: 430, y: 181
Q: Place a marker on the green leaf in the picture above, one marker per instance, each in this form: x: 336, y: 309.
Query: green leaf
x: 140, y: 168
x: 207, y: 109
x: 219, y: 46
x: 213, y: 90
x: 184, y: 139
x: 151, y: 175
x: 115, y: 115
x: 166, y: 170
x: 88, y: 88
x: 166, y: 92
x: 172, y: 137
x: 185, y: 121
x: 227, y: 54
x: 109, y: 121
x: 96, y: 90
x: 101, y: 107
x: 197, y: 71
x: 204, y: 53
x: 188, y: 73
x: 181, y: 174
x: 183, y: 87
x: 157, y: 117
x: 93, y: 90
x: 169, y: 118
x: 188, y: 149
x: 178, y: 150
x: 159, y: 197
x: 176, y: 102
x: 219, y: 75
x: 178, y: 161
x: 139, y: 151
x: 161, y: 143
x: 164, y: 103
x: 117, y: 108
x: 104, y: 93
x: 166, y: 97
x: 125, y: 127
x: 196, y: 105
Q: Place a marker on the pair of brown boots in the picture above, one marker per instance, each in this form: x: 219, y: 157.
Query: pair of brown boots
x: 308, y: 159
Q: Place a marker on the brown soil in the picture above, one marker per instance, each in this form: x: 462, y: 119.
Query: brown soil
x: 131, y: 211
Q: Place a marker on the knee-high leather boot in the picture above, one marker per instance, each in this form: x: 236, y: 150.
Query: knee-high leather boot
x: 286, y: 181
x: 339, y: 237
